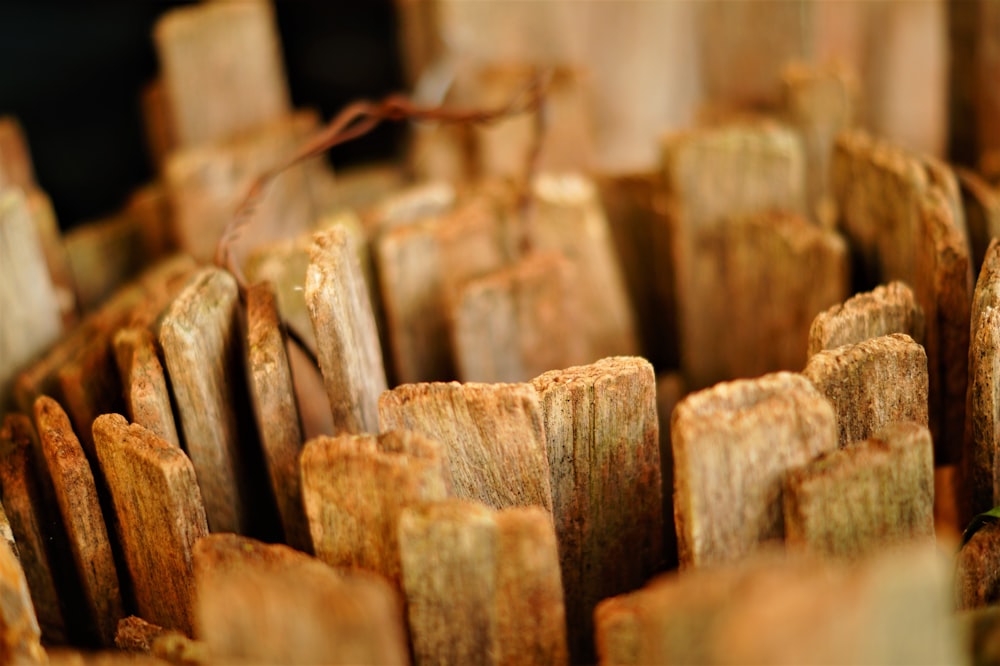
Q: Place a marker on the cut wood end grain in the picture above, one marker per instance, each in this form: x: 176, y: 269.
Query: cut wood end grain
x: 890, y: 308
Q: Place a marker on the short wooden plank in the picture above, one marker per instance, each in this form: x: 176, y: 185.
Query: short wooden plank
x: 346, y: 336
x: 977, y: 578
x: 602, y: 441
x: 890, y: 308
x: 160, y: 516
x: 868, y: 496
x: 199, y: 334
x: 271, y: 604
x: 733, y: 445
x: 144, y: 383
x: 222, y: 69
x: 20, y: 640
x: 80, y: 507
x: 273, y: 397
x: 493, y: 435
x: 356, y: 486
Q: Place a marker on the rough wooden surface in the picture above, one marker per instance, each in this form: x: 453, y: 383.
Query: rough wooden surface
x: 346, y: 336
x: 602, y: 441
x: 981, y: 204
x: 886, y: 309
x: 271, y: 604
x: 864, y: 497
x: 199, y: 335
x: 733, y: 445
x: 505, y: 325
x: 80, y: 507
x: 492, y: 433
x: 30, y: 520
x: 872, y: 384
x: 147, y: 397
x: 977, y: 575
x: 273, y: 397
x: 20, y: 637
x: 980, y: 469
x: 32, y: 317
x: 356, y: 486
x: 160, y: 516
x: 222, y: 69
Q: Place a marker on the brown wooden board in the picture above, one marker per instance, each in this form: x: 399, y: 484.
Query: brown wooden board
x: 886, y: 309
x: 144, y: 383
x: 981, y: 204
x: 977, y: 578
x: 20, y: 640
x: 16, y: 169
x: 670, y: 389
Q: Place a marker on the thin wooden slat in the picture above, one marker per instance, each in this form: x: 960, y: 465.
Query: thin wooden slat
x: 886, y: 309
x: 56, y: 255
x: 733, y: 444
x: 147, y: 397
x: 271, y: 604
x: 977, y: 579
x: 670, y: 389
x: 160, y: 516
x: 356, y: 486
x: 346, y: 336
x: 273, y: 397
x: 76, y: 494
x: 981, y: 204
x: 20, y: 640
x: 602, y: 441
x: 493, y: 435
x: 867, y: 496
x: 158, y: 124
x: 16, y: 169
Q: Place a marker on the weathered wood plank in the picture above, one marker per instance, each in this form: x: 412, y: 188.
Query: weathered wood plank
x: 356, y: 486
x: 310, y: 393
x: 977, y: 577
x: 271, y: 604
x: 78, y: 503
x: 273, y: 397
x: 349, y: 352
x: 200, y: 340
x: 864, y: 497
x: 144, y: 384
x: 20, y: 640
x: 733, y: 445
x: 602, y: 441
x: 160, y: 517
x: 886, y: 309
x: 981, y: 205
x: 493, y: 435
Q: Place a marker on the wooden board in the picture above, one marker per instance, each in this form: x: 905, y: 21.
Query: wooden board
x: 868, y: 496
x: 977, y: 581
x: 80, y: 507
x: 493, y: 435
x: 200, y: 340
x: 16, y: 169
x: 144, y: 384
x: 103, y: 255
x: 890, y: 308
x: 271, y: 604
x: 20, y: 641
x: 346, y: 336
x: 356, y: 486
x: 988, y: 71
x: 670, y: 389
x: 273, y: 397
x: 56, y: 256
x: 872, y: 384
x: 733, y: 445
x: 160, y: 517
x: 6, y: 535
x: 981, y: 205
x: 602, y: 441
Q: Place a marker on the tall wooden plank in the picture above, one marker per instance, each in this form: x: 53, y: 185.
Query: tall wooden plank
x: 144, y: 384
x: 887, y: 309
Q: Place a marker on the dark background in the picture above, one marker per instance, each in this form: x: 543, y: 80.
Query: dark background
x: 71, y: 73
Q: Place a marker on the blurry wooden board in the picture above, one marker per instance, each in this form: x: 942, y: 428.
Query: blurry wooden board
x: 138, y: 636
x: 356, y: 486
x: 670, y: 389
x: 271, y: 604
x: 200, y: 340
x: 310, y: 393
x: 222, y: 70
x: 981, y: 204
x: 355, y: 188
x: 868, y: 496
x: 158, y: 124
x: 103, y: 255
x: 493, y: 435
x: 6, y: 535
x: 56, y: 256
x: 273, y: 397
x: 32, y: 316
x: 16, y: 169
x: 346, y: 336
x: 988, y: 74
x: 602, y: 442
x: 733, y: 445
x: 482, y: 587
x: 78, y: 503
x: 872, y: 384
x: 977, y: 576
x: 144, y: 384
x: 149, y: 206
x: 886, y: 309
x: 160, y: 517
x: 20, y: 641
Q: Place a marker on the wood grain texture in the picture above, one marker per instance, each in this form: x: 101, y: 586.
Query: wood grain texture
x: 80, y: 507
x: 977, y: 569
x: 20, y: 637
x: 273, y: 397
x: 493, y: 436
x: 271, y: 604
x: 733, y: 445
x: 160, y: 516
x: 346, y: 336
x: 872, y: 384
x: 887, y: 309
x: 200, y: 339
x: 30, y: 520
x: 865, y: 497
x: 144, y: 384
x: 356, y: 486
x: 602, y: 440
